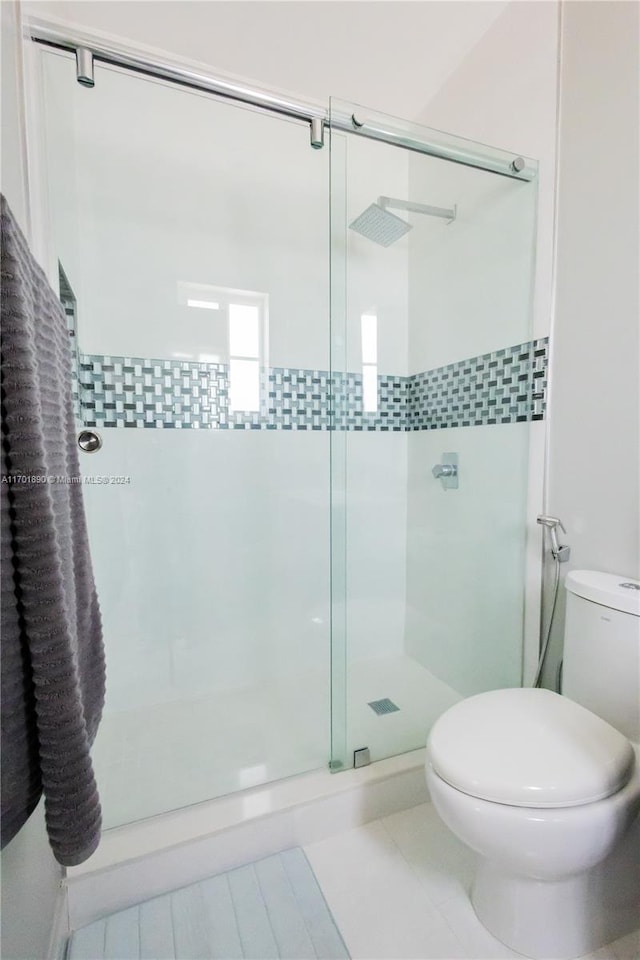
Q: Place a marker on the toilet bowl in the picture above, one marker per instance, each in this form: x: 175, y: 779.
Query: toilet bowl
x: 538, y: 835
x: 547, y: 792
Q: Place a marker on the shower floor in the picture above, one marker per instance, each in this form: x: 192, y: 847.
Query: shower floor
x: 171, y: 755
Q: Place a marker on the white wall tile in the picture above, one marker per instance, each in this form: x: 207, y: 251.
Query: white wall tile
x: 465, y: 556
x: 376, y: 536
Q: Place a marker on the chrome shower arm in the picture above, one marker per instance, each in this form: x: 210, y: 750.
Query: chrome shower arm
x: 412, y: 206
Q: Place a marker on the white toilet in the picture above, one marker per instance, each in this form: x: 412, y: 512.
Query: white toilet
x: 545, y: 787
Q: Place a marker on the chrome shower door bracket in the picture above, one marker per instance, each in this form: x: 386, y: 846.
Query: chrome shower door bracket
x: 447, y: 471
x: 317, y: 133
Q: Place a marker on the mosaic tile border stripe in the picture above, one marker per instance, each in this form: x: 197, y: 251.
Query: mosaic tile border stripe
x: 69, y: 304
x: 507, y: 386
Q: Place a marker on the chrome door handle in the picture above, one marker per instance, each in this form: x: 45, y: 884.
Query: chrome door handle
x: 89, y: 441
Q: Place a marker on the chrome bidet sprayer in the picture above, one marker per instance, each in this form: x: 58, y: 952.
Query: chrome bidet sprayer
x: 560, y: 552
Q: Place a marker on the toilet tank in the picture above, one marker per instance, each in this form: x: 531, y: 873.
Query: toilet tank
x: 601, y: 667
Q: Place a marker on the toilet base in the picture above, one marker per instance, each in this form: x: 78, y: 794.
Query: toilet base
x: 548, y: 921
x: 567, y: 918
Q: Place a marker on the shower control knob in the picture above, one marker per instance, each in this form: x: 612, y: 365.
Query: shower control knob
x: 89, y: 441
x: 445, y: 470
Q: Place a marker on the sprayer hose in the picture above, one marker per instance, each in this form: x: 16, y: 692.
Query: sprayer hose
x: 545, y: 645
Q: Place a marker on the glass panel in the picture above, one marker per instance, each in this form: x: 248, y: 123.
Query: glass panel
x: 431, y: 579
x: 193, y: 234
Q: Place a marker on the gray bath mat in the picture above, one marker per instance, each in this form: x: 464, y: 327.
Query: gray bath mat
x: 269, y: 909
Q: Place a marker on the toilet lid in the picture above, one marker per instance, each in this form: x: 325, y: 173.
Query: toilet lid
x: 529, y: 748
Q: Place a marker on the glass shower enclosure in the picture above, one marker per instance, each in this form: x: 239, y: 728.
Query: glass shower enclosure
x: 284, y: 582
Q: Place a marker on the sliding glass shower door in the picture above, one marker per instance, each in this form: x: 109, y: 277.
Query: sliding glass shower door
x: 192, y: 236
x: 307, y: 506
x: 436, y: 381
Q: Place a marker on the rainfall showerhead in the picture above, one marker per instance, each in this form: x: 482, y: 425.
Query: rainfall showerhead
x: 376, y: 223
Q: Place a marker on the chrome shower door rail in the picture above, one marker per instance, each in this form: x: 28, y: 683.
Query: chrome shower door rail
x: 416, y: 138
x: 53, y: 35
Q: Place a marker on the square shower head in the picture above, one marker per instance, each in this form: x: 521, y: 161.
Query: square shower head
x: 377, y: 224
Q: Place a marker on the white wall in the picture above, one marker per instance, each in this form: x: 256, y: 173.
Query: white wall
x: 594, y: 457
x: 503, y: 94
x: 30, y: 875
x: 471, y: 279
x: 372, y: 53
x: 12, y: 152
x: 31, y: 894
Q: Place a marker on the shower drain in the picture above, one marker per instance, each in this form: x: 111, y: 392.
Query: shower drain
x: 383, y: 706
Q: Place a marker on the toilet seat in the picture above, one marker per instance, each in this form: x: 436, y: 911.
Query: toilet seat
x: 530, y: 748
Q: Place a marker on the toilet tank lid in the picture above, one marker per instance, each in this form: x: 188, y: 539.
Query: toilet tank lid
x: 529, y: 748
x: 609, y: 589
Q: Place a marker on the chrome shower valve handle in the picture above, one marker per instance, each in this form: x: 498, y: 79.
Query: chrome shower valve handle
x: 447, y: 471
x: 444, y: 470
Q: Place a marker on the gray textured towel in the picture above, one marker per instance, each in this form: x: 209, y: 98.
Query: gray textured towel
x: 52, y: 653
